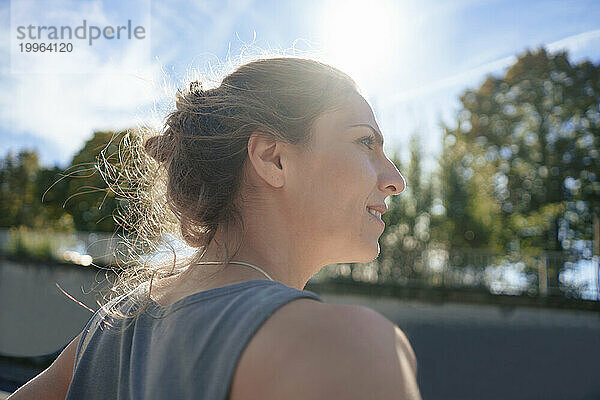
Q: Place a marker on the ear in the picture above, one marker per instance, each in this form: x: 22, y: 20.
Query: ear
x: 265, y: 154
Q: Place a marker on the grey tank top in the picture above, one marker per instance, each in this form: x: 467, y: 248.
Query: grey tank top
x: 187, y: 350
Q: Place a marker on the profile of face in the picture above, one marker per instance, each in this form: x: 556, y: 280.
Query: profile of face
x: 344, y: 171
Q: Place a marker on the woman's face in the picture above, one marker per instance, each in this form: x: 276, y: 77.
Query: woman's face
x: 343, y: 171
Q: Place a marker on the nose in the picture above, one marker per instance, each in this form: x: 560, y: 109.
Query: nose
x: 391, y: 180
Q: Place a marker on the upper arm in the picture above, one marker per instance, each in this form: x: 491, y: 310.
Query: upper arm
x: 54, y: 381
x: 364, y: 355
x: 341, y: 352
x: 63, y: 366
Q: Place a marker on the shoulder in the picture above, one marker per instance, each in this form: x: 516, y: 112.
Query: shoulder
x: 54, y: 381
x: 309, y: 349
x: 63, y: 365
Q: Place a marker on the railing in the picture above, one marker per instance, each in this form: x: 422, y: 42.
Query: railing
x: 543, y: 274
x: 72, y: 247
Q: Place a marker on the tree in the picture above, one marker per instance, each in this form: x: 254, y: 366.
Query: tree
x: 52, y: 189
x: 17, y: 191
x: 408, y: 220
x: 22, y: 188
x: 531, y: 138
x: 78, y: 197
x: 471, y: 213
x: 91, y: 203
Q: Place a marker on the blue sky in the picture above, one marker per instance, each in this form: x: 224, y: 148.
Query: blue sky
x: 412, y: 59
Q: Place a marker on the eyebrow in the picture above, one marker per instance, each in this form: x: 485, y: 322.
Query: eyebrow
x: 378, y: 135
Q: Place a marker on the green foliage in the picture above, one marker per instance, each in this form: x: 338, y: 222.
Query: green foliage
x: 17, y: 190
x: 471, y: 213
x: 25, y: 243
x: 408, y: 219
x: 51, y: 190
x: 521, y: 168
x: 74, y: 199
x: 90, y: 202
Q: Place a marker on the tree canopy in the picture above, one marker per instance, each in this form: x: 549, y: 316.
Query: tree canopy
x: 76, y: 198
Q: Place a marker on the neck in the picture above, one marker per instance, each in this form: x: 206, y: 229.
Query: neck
x: 271, y: 259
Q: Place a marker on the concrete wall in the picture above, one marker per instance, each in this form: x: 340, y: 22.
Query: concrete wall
x: 35, y: 316
x: 463, y: 351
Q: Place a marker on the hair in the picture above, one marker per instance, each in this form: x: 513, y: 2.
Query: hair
x: 188, y: 179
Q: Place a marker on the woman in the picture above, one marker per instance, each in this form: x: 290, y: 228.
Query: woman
x: 283, y: 161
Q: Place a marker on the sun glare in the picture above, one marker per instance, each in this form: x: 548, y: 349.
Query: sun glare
x: 360, y: 36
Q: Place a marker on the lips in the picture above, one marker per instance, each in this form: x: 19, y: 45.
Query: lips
x: 382, y: 208
x: 374, y: 212
x: 375, y: 217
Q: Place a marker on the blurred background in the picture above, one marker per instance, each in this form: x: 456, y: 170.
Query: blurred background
x: 490, y: 109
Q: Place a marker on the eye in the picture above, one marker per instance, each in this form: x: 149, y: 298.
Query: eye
x: 368, y: 141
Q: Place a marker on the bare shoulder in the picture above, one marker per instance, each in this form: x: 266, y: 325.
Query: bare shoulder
x: 313, y: 350
x: 54, y: 381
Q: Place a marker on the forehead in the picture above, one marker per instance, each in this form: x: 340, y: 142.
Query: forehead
x: 355, y: 111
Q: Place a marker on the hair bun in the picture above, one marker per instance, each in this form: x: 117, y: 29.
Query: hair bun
x: 158, y: 148
x: 196, y: 88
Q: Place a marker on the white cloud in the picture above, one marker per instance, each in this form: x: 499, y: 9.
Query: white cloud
x: 577, y: 43
x: 456, y: 80
x: 572, y: 43
x: 420, y: 108
x: 66, y: 108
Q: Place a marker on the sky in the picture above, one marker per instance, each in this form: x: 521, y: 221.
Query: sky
x: 411, y: 59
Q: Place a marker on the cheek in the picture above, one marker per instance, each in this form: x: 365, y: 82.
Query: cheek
x: 344, y: 175
x: 349, y: 184
x: 334, y: 187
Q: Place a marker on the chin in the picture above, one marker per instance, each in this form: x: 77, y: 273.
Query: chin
x: 369, y: 254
